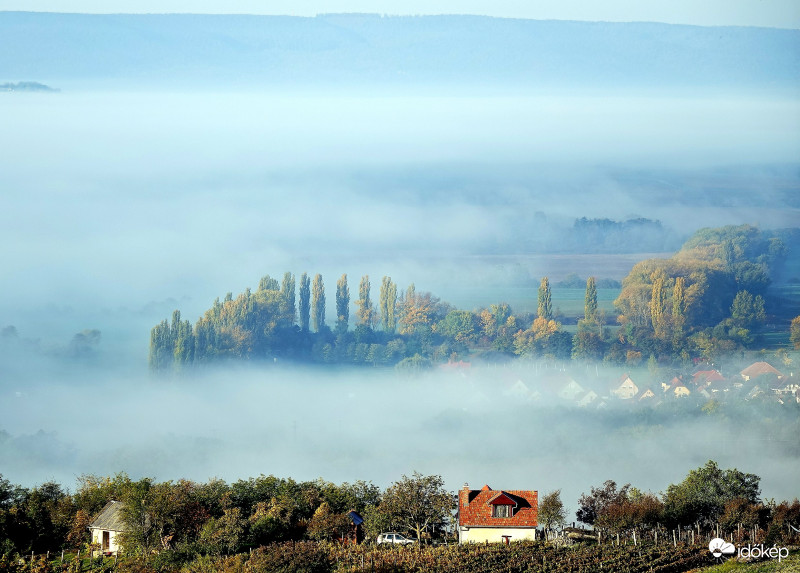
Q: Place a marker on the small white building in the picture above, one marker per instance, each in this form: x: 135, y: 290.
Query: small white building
x: 106, y: 526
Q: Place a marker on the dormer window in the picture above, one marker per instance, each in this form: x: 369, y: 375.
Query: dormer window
x: 501, y: 510
x: 503, y: 506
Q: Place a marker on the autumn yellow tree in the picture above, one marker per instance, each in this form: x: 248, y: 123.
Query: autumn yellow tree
x: 658, y: 307
x: 417, y: 310
x: 794, y: 332
x: 365, y: 312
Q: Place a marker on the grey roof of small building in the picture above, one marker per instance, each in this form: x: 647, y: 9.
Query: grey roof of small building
x: 110, y: 518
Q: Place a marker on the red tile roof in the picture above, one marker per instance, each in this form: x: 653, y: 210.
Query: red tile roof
x: 475, y: 507
x: 706, y: 376
x: 503, y: 499
x: 759, y: 369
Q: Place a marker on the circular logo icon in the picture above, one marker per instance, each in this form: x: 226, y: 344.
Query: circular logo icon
x: 719, y: 547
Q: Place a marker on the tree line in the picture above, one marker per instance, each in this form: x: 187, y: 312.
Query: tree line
x: 707, y: 300
x: 172, y: 523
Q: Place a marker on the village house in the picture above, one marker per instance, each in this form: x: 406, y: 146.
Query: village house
x: 589, y: 397
x: 646, y: 396
x: 705, y: 379
x: 564, y: 387
x: 788, y: 386
x: 678, y: 388
x: 717, y: 387
x: 520, y: 391
x: 625, y: 388
x: 106, y: 527
x: 759, y: 369
x: 487, y: 515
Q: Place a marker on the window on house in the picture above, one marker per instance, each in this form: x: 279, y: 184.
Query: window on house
x: 501, y: 511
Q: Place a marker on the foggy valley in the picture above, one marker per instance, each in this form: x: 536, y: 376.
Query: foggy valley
x: 122, y: 204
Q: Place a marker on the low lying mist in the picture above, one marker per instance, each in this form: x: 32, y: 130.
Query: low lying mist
x: 239, y: 421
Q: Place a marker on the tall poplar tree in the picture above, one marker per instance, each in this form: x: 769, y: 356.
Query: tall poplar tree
x: 288, y: 297
x: 678, y: 309
x: 305, y: 302
x: 161, y: 347
x: 388, y: 302
x: 658, y: 301
x: 545, y: 308
x: 365, y: 310
x: 342, y: 304
x: 590, y: 304
x: 318, y: 303
x: 268, y: 283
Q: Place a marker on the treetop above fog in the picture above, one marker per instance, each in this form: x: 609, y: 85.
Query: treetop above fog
x: 706, y: 300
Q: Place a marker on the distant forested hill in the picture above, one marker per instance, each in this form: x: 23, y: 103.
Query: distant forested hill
x: 342, y: 49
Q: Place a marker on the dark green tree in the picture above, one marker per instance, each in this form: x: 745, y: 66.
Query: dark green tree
x: 161, y: 347
x: 183, y: 341
x: 702, y: 495
x: 268, y: 283
x: 388, y: 302
x: 794, y: 332
x: 588, y: 344
x: 305, y: 302
x: 551, y: 510
x: 418, y: 502
x: 460, y: 325
x: 678, y: 311
x: 747, y: 310
x: 288, y: 298
x: 590, y: 303
x: 318, y: 303
x: 658, y: 307
x: 365, y: 311
x: 545, y: 306
x: 141, y: 535
x: 342, y: 304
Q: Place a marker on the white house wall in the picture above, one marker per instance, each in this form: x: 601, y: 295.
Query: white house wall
x: 495, y: 534
x: 97, y: 537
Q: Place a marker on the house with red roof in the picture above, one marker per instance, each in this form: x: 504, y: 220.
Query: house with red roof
x: 704, y: 378
x: 757, y: 369
x: 488, y: 515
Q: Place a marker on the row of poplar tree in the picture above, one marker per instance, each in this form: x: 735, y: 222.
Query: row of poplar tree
x: 287, y: 320
x: 408, y: 327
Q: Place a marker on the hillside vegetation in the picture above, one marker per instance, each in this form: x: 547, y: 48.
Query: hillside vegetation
x: 708, y: 300
x: 273, y: 524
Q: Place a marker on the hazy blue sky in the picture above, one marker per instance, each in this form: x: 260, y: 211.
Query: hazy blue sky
x: 773, y: 13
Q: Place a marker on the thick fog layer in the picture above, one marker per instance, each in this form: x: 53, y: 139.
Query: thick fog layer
x: 237, y: 422
x: 116, y: 209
